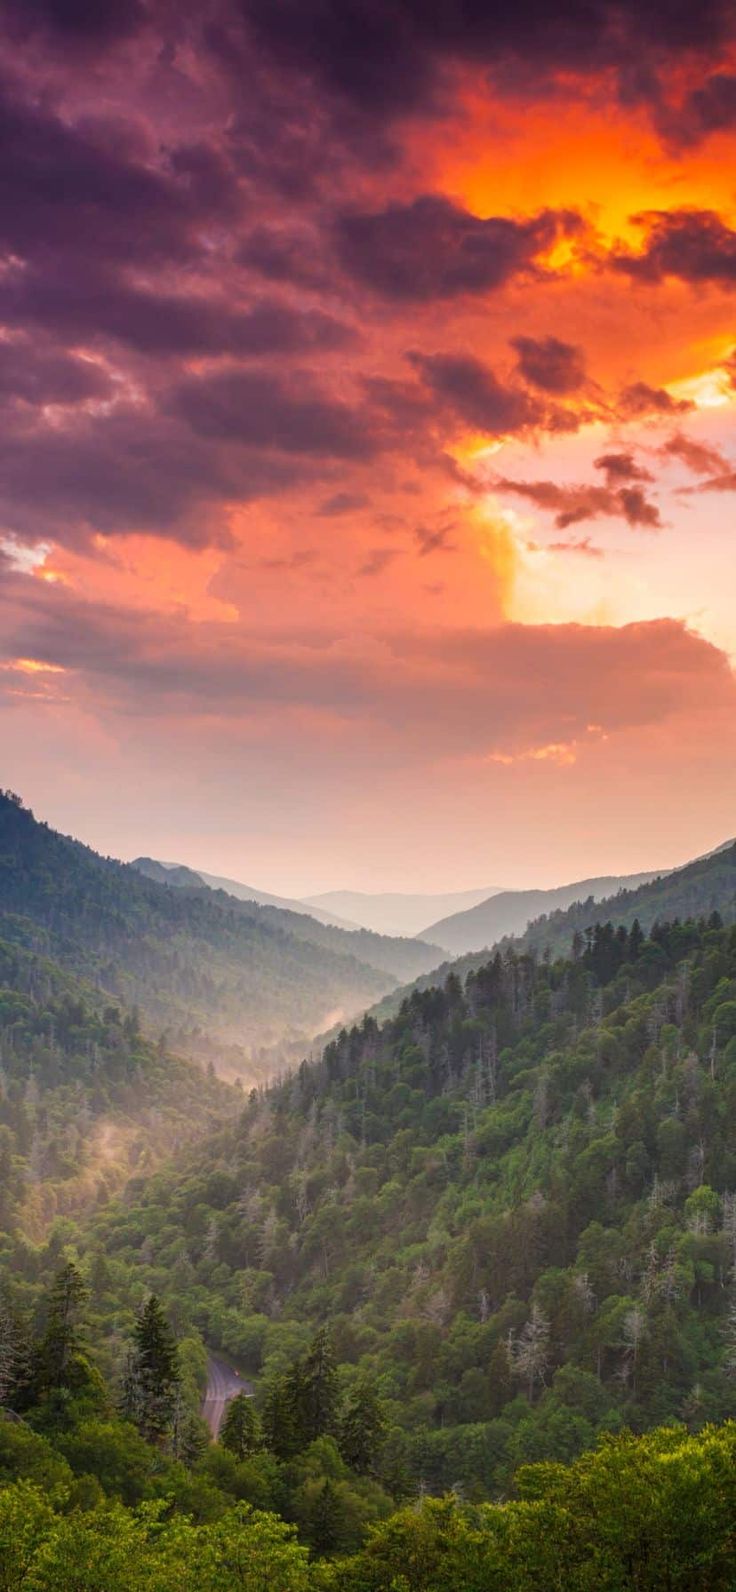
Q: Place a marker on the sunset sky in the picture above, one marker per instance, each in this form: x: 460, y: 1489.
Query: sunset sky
x: 367, y: 460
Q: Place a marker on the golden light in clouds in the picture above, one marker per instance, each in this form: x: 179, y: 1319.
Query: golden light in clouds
x: 335, y: 575
x: 31, y: 666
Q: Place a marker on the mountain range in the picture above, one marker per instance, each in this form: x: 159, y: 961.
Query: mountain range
x: 179, y: 873
x: 513, y: 1203
x: 396, y: 911
x: 706, y: 885
x: 224, y: 978
x: 497, y: 1226
x: 510, y: 911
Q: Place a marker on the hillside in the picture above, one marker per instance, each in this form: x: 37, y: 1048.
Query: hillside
x: 399, y: 958
x: 218, y: 976
x: 85, y: 1099
x: 514, y: 1203
x: 178, y: 873
x: 510, y: 911
x: 396, y: 911
x: 701, y: 887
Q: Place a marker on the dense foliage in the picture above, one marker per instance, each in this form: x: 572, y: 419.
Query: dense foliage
x: 85, y: 1098
x: 697, y: 890
x: 399, y: 957
x: 116, y: 1495
x: 486, y: 1250
x: 214, y: 972
x: 514, y: 1203
x: 650, y: 1514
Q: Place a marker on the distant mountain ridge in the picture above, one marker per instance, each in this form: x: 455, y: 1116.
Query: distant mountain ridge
x: 509, y: 911
x: 224, y: 978
x: 396, y: 955
x: 182, y: 874
x: 397, y: 911
x: 699, y: 888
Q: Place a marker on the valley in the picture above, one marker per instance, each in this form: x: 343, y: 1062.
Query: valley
x: 487, y: 1226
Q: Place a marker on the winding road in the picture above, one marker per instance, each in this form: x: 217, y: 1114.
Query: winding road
x: 223, y: 1383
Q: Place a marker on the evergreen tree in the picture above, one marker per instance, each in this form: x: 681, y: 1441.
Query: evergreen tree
x: 61, y: 1344
x: 152, y: 1378
x: 325, y: 1519
x: 318, y: 1393
x: 241, y: 1431
x: 363, y: 1430
x: 189, y: 1433
x: 280, y: 1411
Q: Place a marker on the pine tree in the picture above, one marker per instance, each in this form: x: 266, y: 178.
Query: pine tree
x: 318, y: 1395
x: 363, y: 1430
x: 325, y: 1519
x: 241, y: 1431
x: 281, y: 1410
x: 189, y: 1433
x: 152, y: 1379
x: 61, y: 1343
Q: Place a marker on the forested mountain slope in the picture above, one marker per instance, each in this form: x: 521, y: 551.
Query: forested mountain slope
x: 701, y: 887
x: 706, y: 885
x: 515, y: 1203
x: 400, y: 958
x: 85, y: 1099
x: 206, y: 968
x: 510, y: 911
x: 179, y: 873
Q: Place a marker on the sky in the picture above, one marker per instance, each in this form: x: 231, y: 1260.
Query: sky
x: 367, y: 458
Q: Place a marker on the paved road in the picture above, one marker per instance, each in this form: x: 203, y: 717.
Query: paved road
x: 222, y: 1385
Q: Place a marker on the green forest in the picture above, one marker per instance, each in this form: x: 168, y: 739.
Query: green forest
x: 475, y: 1266
x: 222, y: 978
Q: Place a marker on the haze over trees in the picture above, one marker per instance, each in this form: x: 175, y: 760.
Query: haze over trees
x: 223, y: 978
x: 483, y: 1251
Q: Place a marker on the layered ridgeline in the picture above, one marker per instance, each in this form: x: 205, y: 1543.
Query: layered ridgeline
x: 397, y: 911
x: 515, y: 1204
x: 510, y: 911
x: 221, y: 976
x: 700, y: 888
x: 85, y: 1100
x: 397, y: 957
x: 178, y: 873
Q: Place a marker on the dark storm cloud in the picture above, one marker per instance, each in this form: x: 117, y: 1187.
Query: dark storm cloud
x: 433, y: 249
x: 619, y: 467
x: 285, y: 254
x: 639, y: 400
x: 93, y: 303
x: 708, y: 109
x: 693, y: 245
x: 39, y: 375
x: 82, y: 22
x: 386, y: 58
x: 260, y: 410
x: 470, y: 390
x: 129, y: 470
x: 698, y: 456
x: 573, y: 505
x: 553, y: 366
x: 65, y: 188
